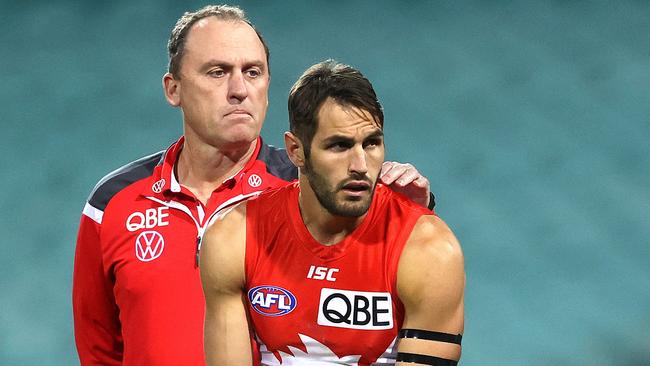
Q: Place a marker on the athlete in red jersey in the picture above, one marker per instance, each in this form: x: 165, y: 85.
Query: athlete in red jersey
x: 309, y: 301
x: 334, y: 269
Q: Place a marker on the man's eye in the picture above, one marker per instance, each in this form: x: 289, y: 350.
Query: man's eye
x: 372, y: 143
x: 338, y: 146
x: 253, y: 73
x: 216, y: 73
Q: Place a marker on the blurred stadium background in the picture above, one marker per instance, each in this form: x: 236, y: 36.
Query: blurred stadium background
x: 529, y: 118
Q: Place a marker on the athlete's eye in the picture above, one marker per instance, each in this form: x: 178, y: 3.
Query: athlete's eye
x: 372, y: 142
x: 339, y: 146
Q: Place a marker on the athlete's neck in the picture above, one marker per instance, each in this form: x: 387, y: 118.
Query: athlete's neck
x: 324, y: 227
x: 202, y: 168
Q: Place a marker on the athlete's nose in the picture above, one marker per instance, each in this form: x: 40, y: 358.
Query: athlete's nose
x: 237, y: 86
x: 358, y: 160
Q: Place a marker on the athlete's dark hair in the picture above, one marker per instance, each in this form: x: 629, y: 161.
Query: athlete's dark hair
x: 176, y: 43
x: 328, y: 79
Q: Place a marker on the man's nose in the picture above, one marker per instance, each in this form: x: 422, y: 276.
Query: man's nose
x: 237, y: 90
x: 358, y: 160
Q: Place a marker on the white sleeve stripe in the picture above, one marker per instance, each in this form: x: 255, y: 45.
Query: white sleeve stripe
x: 93, y: 213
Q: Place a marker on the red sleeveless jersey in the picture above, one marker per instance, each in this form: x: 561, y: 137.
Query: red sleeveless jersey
x: 317, y: 304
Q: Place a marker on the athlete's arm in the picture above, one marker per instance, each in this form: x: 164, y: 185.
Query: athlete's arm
x: 96, y: 323
x: 407, y: 180
x: 227, y: 337
x: 430, y: 284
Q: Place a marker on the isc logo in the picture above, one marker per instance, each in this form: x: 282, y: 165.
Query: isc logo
x: 322, y: 273
x: 355, y: 309
x: 271, y: 300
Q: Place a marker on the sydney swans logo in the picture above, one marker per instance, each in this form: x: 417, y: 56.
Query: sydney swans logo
x: 317, y: 354
x: 149, y: 245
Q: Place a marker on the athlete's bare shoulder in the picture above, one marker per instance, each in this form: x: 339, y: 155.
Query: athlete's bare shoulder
x: 432, y: 237
x: 431, y: 276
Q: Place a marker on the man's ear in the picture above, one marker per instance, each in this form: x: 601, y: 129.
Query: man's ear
x: 295, y: 149
x: 172, y: 89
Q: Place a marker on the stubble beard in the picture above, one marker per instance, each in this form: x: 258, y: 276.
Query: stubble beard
x: 326, y: 195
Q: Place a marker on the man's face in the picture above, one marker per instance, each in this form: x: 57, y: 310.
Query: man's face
x: 346, y: 155
x: 224, y: 81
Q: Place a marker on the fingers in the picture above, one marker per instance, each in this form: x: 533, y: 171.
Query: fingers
x: 406, y: 179
x: 409, y: 176
x: 421, y: 182
x: 385, y: 174
x: 391, y: 171
x: 400, y: 174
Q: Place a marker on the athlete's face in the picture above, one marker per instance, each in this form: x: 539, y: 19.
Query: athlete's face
x: 224, y: 81
x: 347, y: 152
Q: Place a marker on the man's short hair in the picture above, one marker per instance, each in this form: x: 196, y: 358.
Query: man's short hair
x: 176, y: 43
x: 329, y: 79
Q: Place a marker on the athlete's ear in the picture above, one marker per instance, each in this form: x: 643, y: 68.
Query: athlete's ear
x: 294, y: 149
x: 172, y: 89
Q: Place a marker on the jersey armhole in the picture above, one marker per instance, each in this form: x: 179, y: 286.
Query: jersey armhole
x: 404, y: 234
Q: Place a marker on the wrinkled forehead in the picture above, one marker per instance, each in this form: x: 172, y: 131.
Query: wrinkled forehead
x: 335, y: 118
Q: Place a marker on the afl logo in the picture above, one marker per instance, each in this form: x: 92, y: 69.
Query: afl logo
x: 271, y: 300
x: 254, y: 181
x: 149, y: 245
x: 158, y: 186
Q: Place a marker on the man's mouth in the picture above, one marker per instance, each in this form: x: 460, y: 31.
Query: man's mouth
x: 238, y: 112
x: 356, y: 187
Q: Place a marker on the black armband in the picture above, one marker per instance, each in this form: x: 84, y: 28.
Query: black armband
x: 430, y: 335
x: 425, y: 360
x: 432, y: 201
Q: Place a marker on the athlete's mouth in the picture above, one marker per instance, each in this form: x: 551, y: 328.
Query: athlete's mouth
x: 356, y: 186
